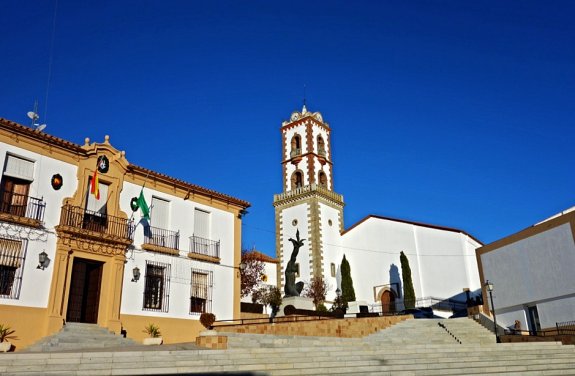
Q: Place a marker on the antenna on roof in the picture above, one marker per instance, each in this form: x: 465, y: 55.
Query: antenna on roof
x: 33, y: 115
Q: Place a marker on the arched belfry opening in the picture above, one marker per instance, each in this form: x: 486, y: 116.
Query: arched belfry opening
x: 297, y: 180
x: 295, y: 145
x: 322, y: 179
x: 320, y: 146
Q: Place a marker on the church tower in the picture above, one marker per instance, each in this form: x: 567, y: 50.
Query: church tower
x: 308, y: 202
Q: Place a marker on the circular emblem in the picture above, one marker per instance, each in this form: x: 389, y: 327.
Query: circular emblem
x: 103, y: 164
x: 57, y: 181
x: 134, y: 204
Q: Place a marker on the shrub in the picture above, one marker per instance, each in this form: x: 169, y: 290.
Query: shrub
x: 347, y: 290
x: 152, y: 330
x: 408, y: 291
x: 321, y: 308
x: 6, y: 333
x: 207, y: 319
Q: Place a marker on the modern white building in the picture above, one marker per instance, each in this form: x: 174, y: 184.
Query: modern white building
x: 69, y: 254
x: 532, y: 274
x: 442, y: 259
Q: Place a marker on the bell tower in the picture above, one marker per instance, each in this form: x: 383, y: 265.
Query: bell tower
x: 308, y: 202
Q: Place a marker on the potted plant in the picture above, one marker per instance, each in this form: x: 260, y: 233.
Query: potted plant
x: 5, y: 334
x: 155, y: 336
x: 207, y: 320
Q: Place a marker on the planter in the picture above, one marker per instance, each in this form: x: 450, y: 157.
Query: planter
x: 153, y: 341
x: 5, y: 346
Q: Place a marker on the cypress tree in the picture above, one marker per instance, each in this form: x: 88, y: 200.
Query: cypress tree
x: 408, y: 292
x: 347, y: 291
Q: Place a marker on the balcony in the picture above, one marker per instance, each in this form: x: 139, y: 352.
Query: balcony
x: 22, y: 209
x: 204, y: 249
x: 307, y: 191
x: 78, y: 221
x: 160, y: 240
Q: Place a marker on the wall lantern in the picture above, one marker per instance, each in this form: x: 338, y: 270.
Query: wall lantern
x: 42, y: 260
x: 242, y: 266
x: 136, y: 273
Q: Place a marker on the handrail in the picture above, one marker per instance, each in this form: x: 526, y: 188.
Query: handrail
x: 162, y: 237
x: 441, y: 325
x: 204, y: 246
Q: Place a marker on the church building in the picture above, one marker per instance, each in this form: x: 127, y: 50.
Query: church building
x: 442, y: 259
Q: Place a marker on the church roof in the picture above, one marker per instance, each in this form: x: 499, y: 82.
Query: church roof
x: 444, y: 228
x: 263, y: 257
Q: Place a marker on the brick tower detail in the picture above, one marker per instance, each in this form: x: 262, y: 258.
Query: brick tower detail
x: 308, y: 202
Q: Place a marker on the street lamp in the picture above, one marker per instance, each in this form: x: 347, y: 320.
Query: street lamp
x: 489, y: 287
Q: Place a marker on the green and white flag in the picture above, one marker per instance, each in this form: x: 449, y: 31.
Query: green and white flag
x: 143, y: 205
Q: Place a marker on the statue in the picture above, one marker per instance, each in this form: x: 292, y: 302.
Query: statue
x: 291, y: 288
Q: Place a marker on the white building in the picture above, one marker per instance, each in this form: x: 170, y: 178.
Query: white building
x: 442, y: 260
x: 106, y: 264
x: 532, y: 274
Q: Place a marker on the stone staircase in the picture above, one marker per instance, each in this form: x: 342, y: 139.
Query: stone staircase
x: 413, y: 347
x: 80, y: 337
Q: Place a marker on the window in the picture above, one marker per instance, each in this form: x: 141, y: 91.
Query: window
x: 332, y: 269
x: 160, y: 213
x: 157, y: 286
x: 201, y: 291
x: 320, y: 146
x: 95, y: 216
x: 322, y: 179
x: 295, y: 145
x: 297, y: 180
x: 11, y: 262
x: 16, y: 179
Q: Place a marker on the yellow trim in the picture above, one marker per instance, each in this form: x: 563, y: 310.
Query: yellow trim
x: 28, y: 322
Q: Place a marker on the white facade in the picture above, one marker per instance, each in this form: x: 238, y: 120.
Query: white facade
x: 532, y: 274
x: 442, y: 260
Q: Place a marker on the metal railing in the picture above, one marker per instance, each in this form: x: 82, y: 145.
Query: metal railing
x: 83, y: 219
x: 566, y: 327
x: 161, y: 237
x: 23, y: 206
x: 427, y: 302
x: 206, y: 247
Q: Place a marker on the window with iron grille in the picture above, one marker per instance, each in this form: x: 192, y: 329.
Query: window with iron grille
x: 201, y: 291
x: 11, y: 267
x: 157, y: 286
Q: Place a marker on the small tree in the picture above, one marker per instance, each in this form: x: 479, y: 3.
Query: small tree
x: 316, y: 290
x: 347, y: 291
x: 272, y: 296
x: 252, y: 274
x: 408, y: 292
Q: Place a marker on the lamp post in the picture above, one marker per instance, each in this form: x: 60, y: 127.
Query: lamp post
x: 489, y: 287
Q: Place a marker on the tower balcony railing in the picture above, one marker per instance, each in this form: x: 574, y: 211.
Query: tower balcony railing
x: 204, y: 247
x: 80, y: 220
x: 23, y: 206
x: 308, y: 189
x: 161, y: 237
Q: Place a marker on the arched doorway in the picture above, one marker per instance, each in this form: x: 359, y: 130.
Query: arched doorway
x: 387, y: 301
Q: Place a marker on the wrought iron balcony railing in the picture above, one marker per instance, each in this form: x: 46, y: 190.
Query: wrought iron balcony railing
x: 22, y: 206
x: 161, y: 237
x: 206, y: 247
x: 83, y: 219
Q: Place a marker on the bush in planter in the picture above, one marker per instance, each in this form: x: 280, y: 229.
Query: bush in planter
x: 152, y: 330
x: 207, y: 320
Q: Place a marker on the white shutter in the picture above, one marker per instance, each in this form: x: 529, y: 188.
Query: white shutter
x: 160, y: 213
x: 19, y: 168
x: 92, y: 203
x: 202, y: 224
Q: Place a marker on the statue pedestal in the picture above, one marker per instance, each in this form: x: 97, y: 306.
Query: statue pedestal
x: 297, y: 301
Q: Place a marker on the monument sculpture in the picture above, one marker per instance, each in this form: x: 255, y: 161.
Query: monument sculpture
x: 291, y: 288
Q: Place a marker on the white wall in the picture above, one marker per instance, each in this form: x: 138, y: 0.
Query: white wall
x: 535, y: 271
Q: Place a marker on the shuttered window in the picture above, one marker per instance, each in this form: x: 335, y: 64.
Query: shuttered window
x: 160, y: 213
x: 202, y: 224
x: 201, y: 291
x: 19, y: 168
x: 11, y: 262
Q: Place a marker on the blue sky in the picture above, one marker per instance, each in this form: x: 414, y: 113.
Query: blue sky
x: 454, y: 113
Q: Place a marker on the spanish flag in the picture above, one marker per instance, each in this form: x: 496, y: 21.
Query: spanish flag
x: 95, y: 187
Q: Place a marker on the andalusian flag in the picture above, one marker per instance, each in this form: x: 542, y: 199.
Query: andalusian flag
x: 95, y: 187
x: 143, y: 206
